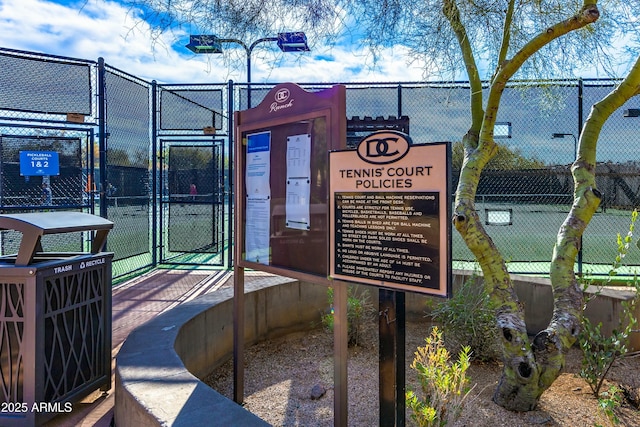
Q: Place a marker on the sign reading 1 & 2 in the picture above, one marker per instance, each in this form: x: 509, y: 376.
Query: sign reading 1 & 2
x: 39, y: 163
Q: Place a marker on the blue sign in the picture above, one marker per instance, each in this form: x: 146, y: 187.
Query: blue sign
x: 258, y: 142
x: 39, y: 163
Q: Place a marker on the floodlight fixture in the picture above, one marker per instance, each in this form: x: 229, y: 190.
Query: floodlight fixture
x: 293, y: 42
x: 575, y: 140
x: 631, y: 112
x: 204, y: 44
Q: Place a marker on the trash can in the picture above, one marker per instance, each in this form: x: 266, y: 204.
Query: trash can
x: 55, y: 317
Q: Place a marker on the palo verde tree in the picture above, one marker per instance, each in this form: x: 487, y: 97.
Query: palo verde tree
x: 510, y: 39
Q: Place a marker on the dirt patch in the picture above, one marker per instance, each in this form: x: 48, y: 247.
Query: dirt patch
x: 280, y: 376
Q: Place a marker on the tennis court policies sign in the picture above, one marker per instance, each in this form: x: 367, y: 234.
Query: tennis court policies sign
x: 390, y: 209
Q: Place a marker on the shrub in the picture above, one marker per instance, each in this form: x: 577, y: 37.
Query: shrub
x: 444, y: 384
x: 359, y: 313
x: 468, y: 318
x: 607, y: 405
x: 600, y: 352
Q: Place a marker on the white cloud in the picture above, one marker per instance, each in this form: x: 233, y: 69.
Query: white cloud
x: 105, y: 29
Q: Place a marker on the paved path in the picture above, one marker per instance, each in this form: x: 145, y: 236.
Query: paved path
x: 135, y: 302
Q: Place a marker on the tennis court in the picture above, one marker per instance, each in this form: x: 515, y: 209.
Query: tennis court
x: 525, y: 233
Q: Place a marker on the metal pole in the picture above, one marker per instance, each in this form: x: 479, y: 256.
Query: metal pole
x: 230, y: 132
x: 102, y: 137
x: 155, y: 182
x: 580, y: 112
x: 391, y: 337
x: 248, y: 79
x: 249, y: 51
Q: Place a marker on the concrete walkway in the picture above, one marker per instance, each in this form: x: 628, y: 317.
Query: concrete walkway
x: 134, y: 303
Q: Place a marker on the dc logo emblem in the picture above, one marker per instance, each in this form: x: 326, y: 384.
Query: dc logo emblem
x: 384, y: 147
x: 379, y: 147
x: 282, y: 95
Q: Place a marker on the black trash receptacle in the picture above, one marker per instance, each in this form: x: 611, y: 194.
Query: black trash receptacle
x: 55, y: 317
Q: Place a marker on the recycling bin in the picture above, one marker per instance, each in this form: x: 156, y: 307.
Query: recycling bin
x: 55, y: 315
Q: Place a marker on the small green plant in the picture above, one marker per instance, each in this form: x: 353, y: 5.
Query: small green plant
x: 600, y: 351
x: 469, y: 318
x: 359, y: 312
x: 608, y: 402
x: 444, y: 385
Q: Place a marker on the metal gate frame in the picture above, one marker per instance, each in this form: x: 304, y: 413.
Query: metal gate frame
x: 177, y: 200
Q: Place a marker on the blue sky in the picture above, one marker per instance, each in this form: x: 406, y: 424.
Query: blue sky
x: 96, y: 28
x: 89, y: 29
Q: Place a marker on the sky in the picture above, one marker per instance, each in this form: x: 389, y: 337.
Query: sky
x: 95, y: 28
x: 89, y: 29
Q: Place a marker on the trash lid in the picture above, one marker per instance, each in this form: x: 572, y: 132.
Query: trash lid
x: 35, y: 225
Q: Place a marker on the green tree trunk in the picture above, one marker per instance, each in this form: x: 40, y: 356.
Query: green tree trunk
x: 529, y: 367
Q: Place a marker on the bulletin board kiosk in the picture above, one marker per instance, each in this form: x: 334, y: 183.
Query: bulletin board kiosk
x: 282, y: 202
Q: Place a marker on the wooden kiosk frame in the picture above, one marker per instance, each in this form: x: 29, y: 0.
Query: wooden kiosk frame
x: 286, y: 111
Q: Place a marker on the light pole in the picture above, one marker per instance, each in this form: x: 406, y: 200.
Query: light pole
x: 287, y: 42
x: 575, y: 141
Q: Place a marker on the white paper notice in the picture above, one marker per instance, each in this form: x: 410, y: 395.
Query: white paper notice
x: 258, y: 164
x: 257, y: 229
x: 298, y: 181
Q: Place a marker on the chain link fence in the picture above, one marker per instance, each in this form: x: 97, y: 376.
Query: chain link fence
x: 133, y: 155
x: 44, y: 142
x: 530, y: 179
x: 123, y: 179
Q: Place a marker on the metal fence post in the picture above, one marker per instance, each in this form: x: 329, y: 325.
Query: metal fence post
x: 399, y: 100
x: 580, y: 112
x: 102, y: 137
x: 231, y: 133
x: 155, y: 194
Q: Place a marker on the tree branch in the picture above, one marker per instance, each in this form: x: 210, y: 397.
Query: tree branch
x: 506, y: 34
x: 452, y: 13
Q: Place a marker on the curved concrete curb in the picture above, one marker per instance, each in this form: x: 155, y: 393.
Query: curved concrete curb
x: 158, y: 366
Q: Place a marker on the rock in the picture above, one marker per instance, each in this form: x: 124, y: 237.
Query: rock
x: 538, y: 418
x: 317, y: 391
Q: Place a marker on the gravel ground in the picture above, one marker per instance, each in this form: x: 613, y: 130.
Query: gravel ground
x: 281, y: 374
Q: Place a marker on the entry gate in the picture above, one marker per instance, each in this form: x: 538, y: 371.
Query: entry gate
x: 193, y: 202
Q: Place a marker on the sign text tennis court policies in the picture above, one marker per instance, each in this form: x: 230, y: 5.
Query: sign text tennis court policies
x: 390, y: 219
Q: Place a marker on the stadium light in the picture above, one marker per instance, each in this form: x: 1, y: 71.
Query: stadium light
x: 293, y: 42
x: 631, y: 112
x: 287, y: 42
x: 575, y: 141
x: 204, y: 44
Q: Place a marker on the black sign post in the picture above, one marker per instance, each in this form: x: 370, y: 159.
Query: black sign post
x: 391, y: 339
